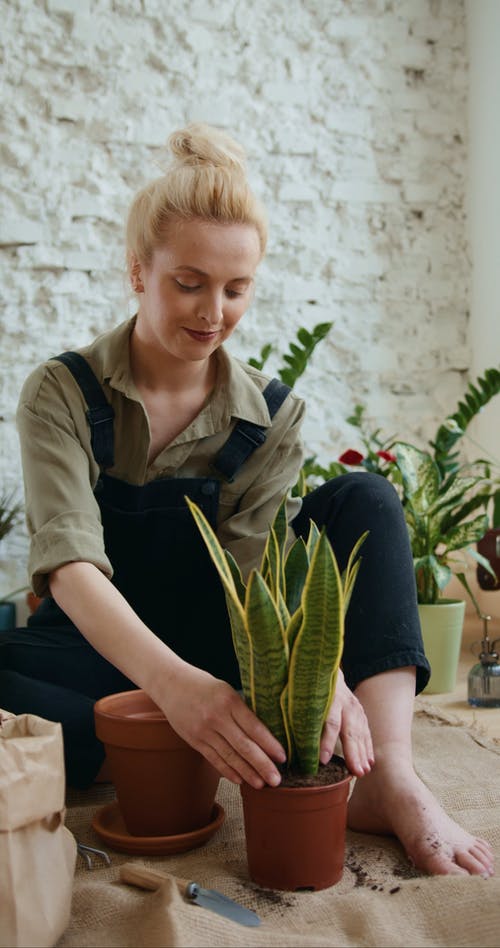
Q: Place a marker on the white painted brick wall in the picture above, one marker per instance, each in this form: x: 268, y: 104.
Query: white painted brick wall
x: 353, y: 113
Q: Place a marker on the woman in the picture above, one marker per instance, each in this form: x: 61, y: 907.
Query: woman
x: 114, y: 437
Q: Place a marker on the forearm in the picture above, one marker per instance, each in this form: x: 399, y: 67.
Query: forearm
x: 206, y: 712
x: 112, y: 627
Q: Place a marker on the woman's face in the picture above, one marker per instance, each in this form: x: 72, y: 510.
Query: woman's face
x: 196, y: 288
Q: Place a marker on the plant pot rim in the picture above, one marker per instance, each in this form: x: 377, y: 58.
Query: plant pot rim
x: 443, y: 602
x: 296, y: 791
x: 109, y: 707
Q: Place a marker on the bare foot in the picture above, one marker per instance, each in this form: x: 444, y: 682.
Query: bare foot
x: 393, y: 800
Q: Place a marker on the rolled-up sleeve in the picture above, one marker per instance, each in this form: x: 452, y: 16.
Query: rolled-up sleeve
x: 60, y: 473
x: 247, y: 508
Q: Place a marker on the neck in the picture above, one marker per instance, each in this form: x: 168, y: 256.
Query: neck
x: 161, y: 371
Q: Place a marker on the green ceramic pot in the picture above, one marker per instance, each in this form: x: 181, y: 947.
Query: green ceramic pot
x: 442, y: 625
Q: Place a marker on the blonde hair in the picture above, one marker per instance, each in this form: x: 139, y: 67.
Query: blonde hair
x: 206, y: 179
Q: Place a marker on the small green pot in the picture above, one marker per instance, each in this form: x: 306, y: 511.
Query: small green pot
x: 442, y: 625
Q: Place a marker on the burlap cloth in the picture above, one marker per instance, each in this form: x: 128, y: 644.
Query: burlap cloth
x: 380, y: 901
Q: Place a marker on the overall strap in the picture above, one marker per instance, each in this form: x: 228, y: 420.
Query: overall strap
x: 247, y: 436
x: 100, y: 414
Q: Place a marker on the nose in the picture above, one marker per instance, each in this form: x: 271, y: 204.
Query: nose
x: 210, y: 309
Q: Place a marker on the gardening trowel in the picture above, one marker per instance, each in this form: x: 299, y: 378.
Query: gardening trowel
x: 146, y: 878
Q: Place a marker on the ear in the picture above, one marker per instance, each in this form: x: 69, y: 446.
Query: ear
x: 135, y: 274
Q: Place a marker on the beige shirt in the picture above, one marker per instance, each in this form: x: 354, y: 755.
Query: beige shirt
x: 60, y: 472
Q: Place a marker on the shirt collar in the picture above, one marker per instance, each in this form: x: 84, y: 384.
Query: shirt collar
x: 237, y: 393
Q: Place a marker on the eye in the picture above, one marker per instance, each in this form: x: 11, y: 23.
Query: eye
x: 233, y: 294
x: 186, y: 287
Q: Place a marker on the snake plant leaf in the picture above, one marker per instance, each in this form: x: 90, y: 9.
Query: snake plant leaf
x: 296, y: 564
x: 242, y: 642
x: 237, y: 577
x: 312, y: 539
x: 293, y: 628
x: 291, y: 755
x: 349, y: 584
x: 273, y: 556
x: 269, y: 655
x: 316, y: 654
x: 243, y: 647
x: 283, y: 611
x: 352, y: 561
x: 214, y: 548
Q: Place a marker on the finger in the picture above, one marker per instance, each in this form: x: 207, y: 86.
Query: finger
x: 258, y: 733
x: 329, y: 736
x: 240, y: 764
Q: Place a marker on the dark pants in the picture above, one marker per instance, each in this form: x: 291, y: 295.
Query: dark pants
x: 55, y: 673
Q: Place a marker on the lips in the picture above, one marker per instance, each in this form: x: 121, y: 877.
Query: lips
x: 201, y: 336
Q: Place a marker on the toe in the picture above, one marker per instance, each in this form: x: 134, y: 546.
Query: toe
x: 473, y: 861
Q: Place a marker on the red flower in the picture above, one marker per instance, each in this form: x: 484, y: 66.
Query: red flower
x: 387, y: 456
x: 351, y: 457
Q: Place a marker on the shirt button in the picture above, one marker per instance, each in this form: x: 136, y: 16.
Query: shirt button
x: 208, y: 488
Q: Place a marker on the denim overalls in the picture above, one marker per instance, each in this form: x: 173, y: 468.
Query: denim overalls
x: 160, y: 565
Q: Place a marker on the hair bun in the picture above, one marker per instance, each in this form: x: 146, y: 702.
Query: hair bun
x: 201, y: 144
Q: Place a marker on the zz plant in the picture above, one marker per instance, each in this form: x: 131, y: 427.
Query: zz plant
x: 287, y: 624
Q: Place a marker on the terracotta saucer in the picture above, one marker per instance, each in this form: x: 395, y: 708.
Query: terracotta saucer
x: 108, y: 824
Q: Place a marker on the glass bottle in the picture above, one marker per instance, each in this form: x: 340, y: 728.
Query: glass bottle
x: 484, y: 678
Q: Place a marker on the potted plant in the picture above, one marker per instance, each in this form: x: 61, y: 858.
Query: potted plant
x: 444, y: 524
x: 287, y: 623
x: 165, y: 788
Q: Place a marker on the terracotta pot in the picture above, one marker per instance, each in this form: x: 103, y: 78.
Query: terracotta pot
x: 295, y: 836
x: 164, y: 787
x: 32, y: 601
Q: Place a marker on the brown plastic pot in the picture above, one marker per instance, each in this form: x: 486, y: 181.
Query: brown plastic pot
x: 295, y: 836
x: 164, y: 786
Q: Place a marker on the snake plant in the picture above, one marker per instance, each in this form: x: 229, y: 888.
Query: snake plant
x: 287, y: 624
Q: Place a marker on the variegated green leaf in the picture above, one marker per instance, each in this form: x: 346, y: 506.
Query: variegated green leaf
x: 241, y: 638
x: 351, y: 571
x: 214, y: 548
x: 239, y: 585
x: 316, y: 654
x: 420, y: 475
x: 270, y: 665
x: 243, y: 647
x: 466, y: 533
x: 296, y: 565
x: 293, y: 628
x: 291, y: 756
x: 312, y: 539
x: 451, y: 497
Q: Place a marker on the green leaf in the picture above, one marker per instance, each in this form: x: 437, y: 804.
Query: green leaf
x: 420, y: 475
x: 296, y: 564
x: 316, y: 655
x: 269, y: 654
x: 239, y: 585
x: 466, y: 533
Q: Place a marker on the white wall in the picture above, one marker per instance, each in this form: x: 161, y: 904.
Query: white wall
x: 483, y: 199
x: 353, y: 113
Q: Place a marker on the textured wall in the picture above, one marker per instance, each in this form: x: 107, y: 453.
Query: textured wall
x: 353, y: 116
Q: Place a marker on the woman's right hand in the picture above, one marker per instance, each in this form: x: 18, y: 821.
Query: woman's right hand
x: 213, y: 718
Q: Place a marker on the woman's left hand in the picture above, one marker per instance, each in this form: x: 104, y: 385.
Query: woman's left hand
x: 347, y: 720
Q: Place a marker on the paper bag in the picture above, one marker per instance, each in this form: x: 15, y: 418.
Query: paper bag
x: 37, y: 852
